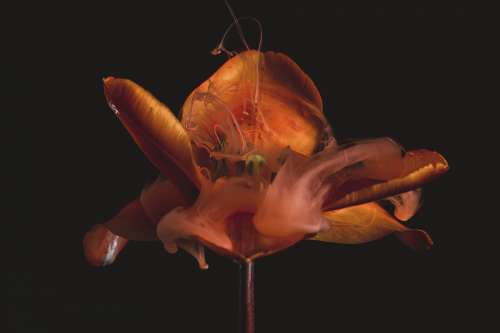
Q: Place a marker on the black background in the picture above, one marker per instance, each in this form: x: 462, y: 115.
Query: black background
x: 404, y: 72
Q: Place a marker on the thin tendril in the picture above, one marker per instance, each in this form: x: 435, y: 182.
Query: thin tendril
x: 220, y: 47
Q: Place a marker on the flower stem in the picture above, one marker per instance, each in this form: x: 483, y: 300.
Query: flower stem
x: 246, y: 305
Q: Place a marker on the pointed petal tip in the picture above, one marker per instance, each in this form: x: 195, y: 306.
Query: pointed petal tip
x: 107, y: 82
x: 434, y: 158
x: 416, y: 239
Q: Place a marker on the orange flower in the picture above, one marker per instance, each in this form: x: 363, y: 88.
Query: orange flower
x: 253, y: 168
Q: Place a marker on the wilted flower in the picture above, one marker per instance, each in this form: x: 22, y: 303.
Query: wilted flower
x: 253, y: 168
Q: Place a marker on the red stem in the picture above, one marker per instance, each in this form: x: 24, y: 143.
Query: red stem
x: 246, y: 308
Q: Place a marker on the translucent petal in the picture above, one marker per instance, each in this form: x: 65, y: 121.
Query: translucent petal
x: 260, y: 102
x: 221, y: 219
x: 337, y: 177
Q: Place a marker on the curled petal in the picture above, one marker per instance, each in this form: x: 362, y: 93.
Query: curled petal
x: 294, y: 201
x: 101, y: 246
x: 304, y: 187
x: 368, y: 222
x: 157, y: 132
x: 195, y: 249
x: 384, y: 170
x: 291, y: 206
x: 406, y: 204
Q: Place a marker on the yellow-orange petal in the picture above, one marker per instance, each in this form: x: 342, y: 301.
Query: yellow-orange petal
x: 368, y: 222
x: 384, y: 176
x: 101, y: 246
x: 157, y: 132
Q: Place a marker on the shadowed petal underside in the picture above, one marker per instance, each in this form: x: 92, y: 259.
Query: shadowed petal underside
x: 368, y: 222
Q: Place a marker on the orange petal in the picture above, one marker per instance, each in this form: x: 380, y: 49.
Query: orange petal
x: 220, y: 219
x: 303, y: 187
x: 157, y: 132
x: 264, y: 96
x: 382, y: 175
x: 159, y: 198
x: 368, y: 222
x: 101, y: 246
x: 406, y: 204
x: 133, y: 223
x: 136, y: 221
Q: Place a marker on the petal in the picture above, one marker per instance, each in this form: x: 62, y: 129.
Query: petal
x: 101, y: 246
x: 304, y: 187
x: 368, y: 222
x: 384, y: 170
x: 221, y: 219
x: 207, y: 220
x: 406, y: 204
x: 136, y: 221
x: 159, y: 198
x: 133, y: 223
x: 260, y: 101
x: 157, y: 132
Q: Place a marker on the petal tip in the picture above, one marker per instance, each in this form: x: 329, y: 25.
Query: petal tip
x: 417, y: 239
x: 101, y: 246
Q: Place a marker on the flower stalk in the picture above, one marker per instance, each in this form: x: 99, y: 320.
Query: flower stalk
x: 246, y: 304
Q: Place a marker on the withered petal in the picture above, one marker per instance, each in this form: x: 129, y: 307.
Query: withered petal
x: 384, y: 175
x: 157, y: 132
x: 367, y: 222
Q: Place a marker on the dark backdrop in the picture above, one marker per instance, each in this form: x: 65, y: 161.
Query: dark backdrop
x: 403, y: 72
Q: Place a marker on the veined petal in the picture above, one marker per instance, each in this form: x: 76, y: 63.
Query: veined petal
x: 157, y: 132
x: 257, y: 101
x: 382, y: 174
x: 368, y: 222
